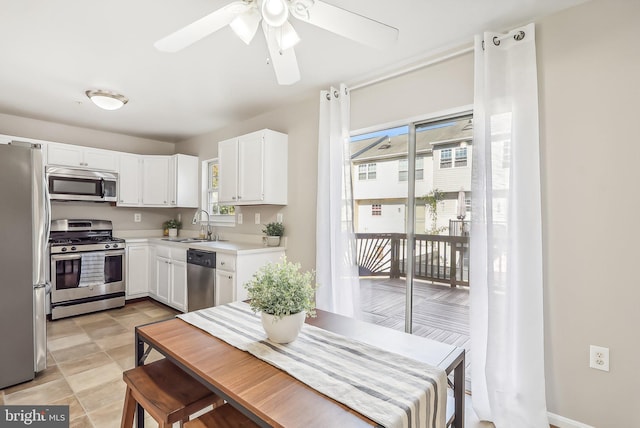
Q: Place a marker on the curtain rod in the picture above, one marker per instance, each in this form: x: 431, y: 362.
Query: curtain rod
x: 410, y: 69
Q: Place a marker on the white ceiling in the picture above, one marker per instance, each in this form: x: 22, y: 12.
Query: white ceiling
x: 52, y: 51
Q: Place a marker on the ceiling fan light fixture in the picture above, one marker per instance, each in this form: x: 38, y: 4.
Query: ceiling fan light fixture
x: 106, y: 100
x: 288, y: 36
x: 275, y: 12
x: 245, y: 25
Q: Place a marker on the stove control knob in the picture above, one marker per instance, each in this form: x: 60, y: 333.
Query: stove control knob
x: 107, y: 246
x: 73, y: 248
x: 115, y: 245
x: 63, y: 249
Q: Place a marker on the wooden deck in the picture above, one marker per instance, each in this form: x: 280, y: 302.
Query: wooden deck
x: 440, y: 312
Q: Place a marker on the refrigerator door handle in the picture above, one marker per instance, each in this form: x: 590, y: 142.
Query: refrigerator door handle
x: 40, y: 327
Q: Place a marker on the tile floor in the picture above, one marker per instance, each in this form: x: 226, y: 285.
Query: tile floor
x: 85, y: 360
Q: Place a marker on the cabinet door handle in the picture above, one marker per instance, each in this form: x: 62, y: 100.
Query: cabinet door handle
x: 230, y: 277
x: 239, y: 197
x: 233, y: 197
x: 221, y: 263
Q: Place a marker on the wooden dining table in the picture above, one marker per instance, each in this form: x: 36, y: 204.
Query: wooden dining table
x: 273, y: 398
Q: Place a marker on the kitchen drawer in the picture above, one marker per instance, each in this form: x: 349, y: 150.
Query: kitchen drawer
x: 226, y: 262
x: 163, y: 251
x: 179, y: 254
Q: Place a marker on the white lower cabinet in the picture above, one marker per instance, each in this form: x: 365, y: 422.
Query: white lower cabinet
x: 160, y: 271
x: 137, y: 270
x: 225, y: 287
x: 171, y: 277
x: 233, y: 271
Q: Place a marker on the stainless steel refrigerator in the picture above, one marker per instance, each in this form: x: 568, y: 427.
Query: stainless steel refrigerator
x: 24, y: 234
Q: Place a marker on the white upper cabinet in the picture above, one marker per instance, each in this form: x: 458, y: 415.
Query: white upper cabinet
x: 158, y: 181
x: 81, y: 157
x: 130, y: 181
x: 253, y: 169
x: 184, y: 189
x: 155, y: 180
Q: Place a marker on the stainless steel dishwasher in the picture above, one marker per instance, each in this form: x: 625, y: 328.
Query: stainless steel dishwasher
x: 201, y: 279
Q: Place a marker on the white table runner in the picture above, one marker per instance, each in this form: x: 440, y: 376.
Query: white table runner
x: 394, y: 391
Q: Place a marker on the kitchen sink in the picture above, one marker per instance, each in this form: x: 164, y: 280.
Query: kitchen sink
x: 187, y: 240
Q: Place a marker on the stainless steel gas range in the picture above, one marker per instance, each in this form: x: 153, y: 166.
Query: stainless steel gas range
x: 87, y: 267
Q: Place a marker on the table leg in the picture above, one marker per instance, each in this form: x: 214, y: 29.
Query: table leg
x: 459, y: 393
x: 140, y: 356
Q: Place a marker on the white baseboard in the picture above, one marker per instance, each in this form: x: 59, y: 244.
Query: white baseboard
x: 562, y: 422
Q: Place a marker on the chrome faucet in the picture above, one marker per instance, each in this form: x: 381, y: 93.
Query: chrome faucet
x: 195, y: 220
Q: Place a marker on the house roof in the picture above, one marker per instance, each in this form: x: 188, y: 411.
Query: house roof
x: 447, y: 133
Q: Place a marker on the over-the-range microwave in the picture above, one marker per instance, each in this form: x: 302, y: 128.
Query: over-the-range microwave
x: 74, y: 184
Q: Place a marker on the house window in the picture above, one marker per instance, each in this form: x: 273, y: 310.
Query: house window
x: 461, y: 156
x: 403, y: 169
x: 445, y: 158
x: 367, y: 171
x: 218, y: 213
x: 376, y: 209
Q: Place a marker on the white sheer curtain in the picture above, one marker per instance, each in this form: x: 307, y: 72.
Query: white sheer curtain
x: 507, y: 361
x: 336, y: 270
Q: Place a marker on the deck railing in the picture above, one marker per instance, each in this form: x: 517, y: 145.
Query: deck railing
x: 438, y: 258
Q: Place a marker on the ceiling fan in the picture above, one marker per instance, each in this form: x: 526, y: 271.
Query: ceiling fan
x: 244, y: 16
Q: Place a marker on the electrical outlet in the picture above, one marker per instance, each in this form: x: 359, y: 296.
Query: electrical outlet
x: 599, y: 358
x: 257, y: 218
x: 239, y: 218
x: 279, y: 217
x: 137, y: 217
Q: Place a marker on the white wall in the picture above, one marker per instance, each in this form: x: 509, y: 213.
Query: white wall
x: 50, y: 131
x: 589, y: 64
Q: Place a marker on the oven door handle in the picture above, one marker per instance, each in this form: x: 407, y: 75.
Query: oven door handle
x: 71, y: 256
x: 56, y: 257
x: 102, y: 187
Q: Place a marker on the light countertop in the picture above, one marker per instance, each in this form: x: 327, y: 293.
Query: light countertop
x: 230, y: 247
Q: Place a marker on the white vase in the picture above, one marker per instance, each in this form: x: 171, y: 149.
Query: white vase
x: 284, y: 330
x: 273, y: 241
x: 173, y: 233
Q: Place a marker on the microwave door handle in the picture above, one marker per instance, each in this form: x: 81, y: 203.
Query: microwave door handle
x: 102, y: 187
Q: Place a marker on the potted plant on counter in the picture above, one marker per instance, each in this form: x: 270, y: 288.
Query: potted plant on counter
x: 274, y: 232
x: 284, y: 296
x: 171, y: 227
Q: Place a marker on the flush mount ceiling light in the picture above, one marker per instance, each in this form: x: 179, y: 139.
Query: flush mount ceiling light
x: 243, y: 16
x: 106, y: 100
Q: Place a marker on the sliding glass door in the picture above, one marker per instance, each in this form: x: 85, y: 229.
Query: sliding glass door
x: 411, y: 199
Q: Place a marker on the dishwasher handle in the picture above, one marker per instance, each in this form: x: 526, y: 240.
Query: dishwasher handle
x: 201, y: 258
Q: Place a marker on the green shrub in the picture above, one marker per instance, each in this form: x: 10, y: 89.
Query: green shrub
x: 280, y: 289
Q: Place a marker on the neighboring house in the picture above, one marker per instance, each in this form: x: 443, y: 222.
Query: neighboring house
x: 380, y: 175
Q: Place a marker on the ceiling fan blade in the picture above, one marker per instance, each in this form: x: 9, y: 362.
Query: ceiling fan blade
x: 344, y: 23
x: 201, y: 28
x: 284, y: 62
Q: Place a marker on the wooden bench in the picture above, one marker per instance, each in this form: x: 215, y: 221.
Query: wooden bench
x: 166, y: 392
x: 223, y: 416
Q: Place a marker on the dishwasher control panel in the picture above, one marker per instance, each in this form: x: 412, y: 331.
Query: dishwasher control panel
x: 201, y: 258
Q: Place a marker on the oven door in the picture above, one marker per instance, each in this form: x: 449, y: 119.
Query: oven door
x: 66, y: 275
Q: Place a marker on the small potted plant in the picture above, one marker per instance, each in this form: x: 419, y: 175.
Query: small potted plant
x: 171, y: 227
x: 284, y: 296
x: 274, y: 232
